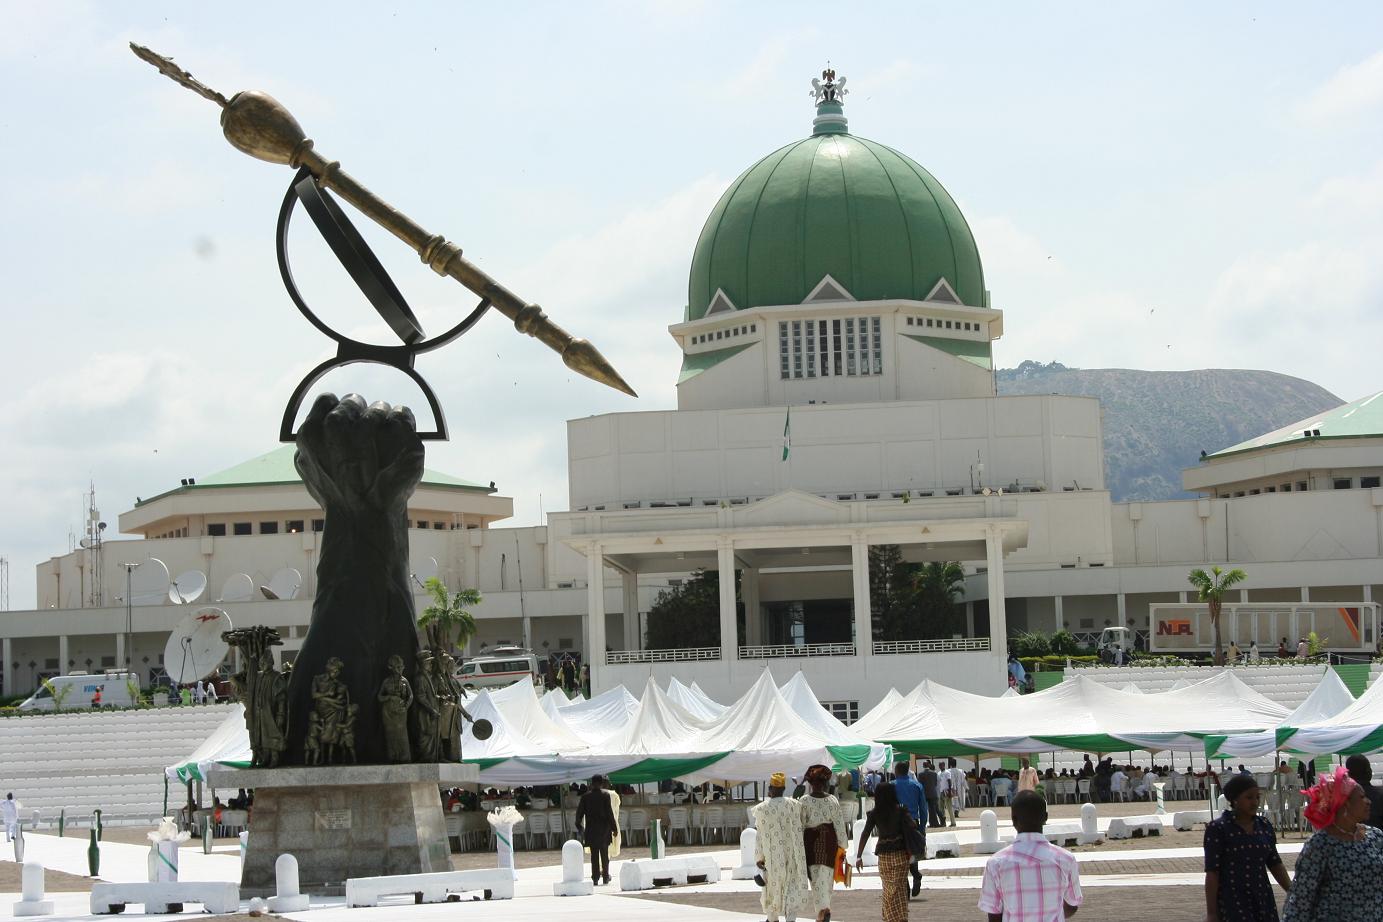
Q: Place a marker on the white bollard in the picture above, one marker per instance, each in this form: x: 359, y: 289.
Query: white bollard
x: 289, y: 897
x: 244, y: 845
x: 989, y: 834
x: 1221, y: 804
x: 573, y: 882
x: 166, y: 867
x: 749, y: 841
x: 1089, y: 825
x: 870, y: 859
x: 33, y: 903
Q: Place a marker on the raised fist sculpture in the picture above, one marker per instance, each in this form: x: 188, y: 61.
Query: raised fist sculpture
x: 362, y: 464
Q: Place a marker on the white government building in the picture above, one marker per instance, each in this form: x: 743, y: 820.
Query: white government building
x: 838, y: 278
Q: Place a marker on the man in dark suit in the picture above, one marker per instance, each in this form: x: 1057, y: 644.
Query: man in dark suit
x: 1361, y: 771
x: 595, y: 824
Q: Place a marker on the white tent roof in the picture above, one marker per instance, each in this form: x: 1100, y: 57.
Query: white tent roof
x: 228, y: 744
x: 694, y: 699
x: 597, y: 719
x: 1327, y: 700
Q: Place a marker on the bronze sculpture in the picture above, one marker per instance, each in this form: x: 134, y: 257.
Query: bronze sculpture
x: 263, y: 692
x: 331, y: 722
x: 423, y: 718
x: 395, y: 698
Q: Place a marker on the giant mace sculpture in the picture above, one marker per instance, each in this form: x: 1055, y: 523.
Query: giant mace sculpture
x: 361, y: 682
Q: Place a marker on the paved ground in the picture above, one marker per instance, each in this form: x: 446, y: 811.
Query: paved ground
x: 56, y: 881
x: 1103, y: 904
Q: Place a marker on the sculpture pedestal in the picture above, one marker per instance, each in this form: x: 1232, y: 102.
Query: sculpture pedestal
x: 344, y: 821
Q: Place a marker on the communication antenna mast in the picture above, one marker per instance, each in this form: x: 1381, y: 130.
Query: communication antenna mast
x: 92, y: 536
x: 526, y: 627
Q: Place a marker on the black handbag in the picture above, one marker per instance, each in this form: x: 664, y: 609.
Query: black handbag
x: 913, y: 836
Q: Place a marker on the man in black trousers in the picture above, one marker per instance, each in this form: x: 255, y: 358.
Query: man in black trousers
x: 595, y: 825
x: 929, y: 779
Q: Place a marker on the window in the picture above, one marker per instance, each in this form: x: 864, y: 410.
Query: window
x: 1366, y: 482
x: 241, y: 528
x: 851, y: 346
x: 753, y: 327
x: 319, y: 524
x: 948, y: 324
x: 847, y: 712
x: 422, y: 524
x: 293, y: 526
x: 107, y: 662
x: 1286, y: 488
x: 1343, y: 483
x: 1302, y: 486
x: 216, y: 530
x: 929, y: 321
x: 439, y: 526
x: 1270, y: 489
x: 268, y: 528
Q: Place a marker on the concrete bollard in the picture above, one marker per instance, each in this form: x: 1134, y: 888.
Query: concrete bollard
x: 33, y: 903
x: 1221, y: 803
x: 244, y: 845
x: 870, y: 859
x: 18, y: 843
x: 1089, y: 825
x: 573, y: 882
x: 749, y: 842
x: 289, y: 896
x: 989, y: 834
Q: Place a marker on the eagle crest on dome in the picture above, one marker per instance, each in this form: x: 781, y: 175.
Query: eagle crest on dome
x: 828, y: 89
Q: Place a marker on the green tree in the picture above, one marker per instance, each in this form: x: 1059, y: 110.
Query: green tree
x: 892, y: 603
x: 687, y: 615
x: 59, y: 694
x: 1210, y: 589
x: 938, y: 589
x: 447, y: 620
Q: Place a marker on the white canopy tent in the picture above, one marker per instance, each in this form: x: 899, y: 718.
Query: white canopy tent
x: 1330, y: 720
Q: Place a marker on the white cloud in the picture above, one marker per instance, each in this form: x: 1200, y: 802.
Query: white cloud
x: 1357, y: 195
x: 1353, y: 89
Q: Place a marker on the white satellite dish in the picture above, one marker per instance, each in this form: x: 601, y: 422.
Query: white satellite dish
x: 188, y: 587
x: 424, y: 570
x: 195, y: 647
x: 238, y: 588
x: 149, y: 582
x: 283, y: 585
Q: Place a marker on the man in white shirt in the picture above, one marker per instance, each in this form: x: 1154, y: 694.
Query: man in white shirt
x: 9, y: 815
x: 958, y: 789
x: 943, y: 797
x: 1031, y: 880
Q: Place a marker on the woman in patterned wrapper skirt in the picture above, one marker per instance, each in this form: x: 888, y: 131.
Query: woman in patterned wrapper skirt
x: 823, y: 831
x: 888, y: 820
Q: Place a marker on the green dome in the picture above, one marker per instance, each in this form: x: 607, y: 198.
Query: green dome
x: 835, y: 204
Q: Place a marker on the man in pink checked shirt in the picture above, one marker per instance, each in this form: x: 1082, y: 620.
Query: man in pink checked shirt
x: 1031, y: 880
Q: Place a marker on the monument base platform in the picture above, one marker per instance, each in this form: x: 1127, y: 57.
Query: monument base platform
x: 344, y: 821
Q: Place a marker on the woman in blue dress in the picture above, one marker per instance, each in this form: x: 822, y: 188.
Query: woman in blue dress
x: 1240, y: 853
x: 1339, y: 875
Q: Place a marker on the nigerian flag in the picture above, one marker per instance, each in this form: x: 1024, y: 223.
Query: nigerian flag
x: 787, y: 434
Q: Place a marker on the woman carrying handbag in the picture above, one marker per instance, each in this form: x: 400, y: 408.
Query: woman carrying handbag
x: 900, y: 839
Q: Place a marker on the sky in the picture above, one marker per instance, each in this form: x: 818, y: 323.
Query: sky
x: 1169, y: 186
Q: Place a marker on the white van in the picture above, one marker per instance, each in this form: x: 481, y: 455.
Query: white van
x: 80, y: 688
x: 500, y: 667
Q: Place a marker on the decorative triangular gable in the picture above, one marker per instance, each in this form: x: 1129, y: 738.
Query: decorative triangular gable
x: 943, y: 292
x: 794, y: 507
x: 828, y: 289
x: 720, y: 304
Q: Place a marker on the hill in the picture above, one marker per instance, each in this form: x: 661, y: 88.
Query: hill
x: 1158, y: 422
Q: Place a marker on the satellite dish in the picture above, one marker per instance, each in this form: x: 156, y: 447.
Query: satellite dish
x: 424, y: 570
x: 149, y: 583
x: 188, y: 587
x: 283, y: 585
x: 238, y: 588
x: 195, y: 647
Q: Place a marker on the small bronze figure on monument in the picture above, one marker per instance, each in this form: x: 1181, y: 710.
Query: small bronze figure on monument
x: 331, y: 722
x: 395, y: 698
x: 423, y: 717
x: 263, y: 691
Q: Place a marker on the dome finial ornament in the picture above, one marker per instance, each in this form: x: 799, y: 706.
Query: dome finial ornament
x: 829, y: 94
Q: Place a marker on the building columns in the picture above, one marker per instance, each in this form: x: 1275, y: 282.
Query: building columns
x: 1060, y: 615
x: 119, y: 651
x: 994, y: 563
x: 729, y: 633
x: 632, y: 634
x: 1306, y: 593
x: 8, y: 654
x: 63, y: 654
x: 864, y: 616
x: 1121, y: 606
x: 753, y: 617
x: 595, y: 611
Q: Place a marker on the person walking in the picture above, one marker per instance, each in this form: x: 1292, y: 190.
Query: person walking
x: 1032, y: 879
x: 929, y: 786
x: 1240, y: 853
x: 1027, y: 776
x: 823, y: 833
x: 889, y: 820
x: 909, y: 792
x: 9, y: 816
x: 779, y: 853
x: 595, y: 824
x: 1339, y: 873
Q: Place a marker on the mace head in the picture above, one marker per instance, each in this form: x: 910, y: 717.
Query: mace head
x: 259, y: 125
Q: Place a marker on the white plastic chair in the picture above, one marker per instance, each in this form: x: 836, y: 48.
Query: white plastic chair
x: 1083, y: 790
x: 1001, y: 788
x: 736, y: 818
x: 679, y: 818
x: 715, y: 823
x: 555, y: 827
x: 536, y: 826
x: 638, y: 825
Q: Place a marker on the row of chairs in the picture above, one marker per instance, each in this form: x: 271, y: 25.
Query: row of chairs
x: 698, y: 825
x: 722, y: 822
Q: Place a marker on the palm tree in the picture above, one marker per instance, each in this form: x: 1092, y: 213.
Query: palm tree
x: 939, y: 587
x: 1210, y: 588
x: 446, y: 620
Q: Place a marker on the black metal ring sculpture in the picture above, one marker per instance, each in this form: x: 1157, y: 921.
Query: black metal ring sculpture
x: 369, y: 275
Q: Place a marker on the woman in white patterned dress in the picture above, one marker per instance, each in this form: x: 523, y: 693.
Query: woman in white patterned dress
x: 823, y: 833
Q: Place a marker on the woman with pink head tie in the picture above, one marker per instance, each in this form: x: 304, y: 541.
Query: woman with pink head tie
x: 1339, y: 875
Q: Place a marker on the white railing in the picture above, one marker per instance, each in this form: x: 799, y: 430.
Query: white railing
x: 783, y: 651
x: 623, y: 657
x: 931, y: 646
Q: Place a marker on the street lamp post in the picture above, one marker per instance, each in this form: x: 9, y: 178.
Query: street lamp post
x: 129, y: 614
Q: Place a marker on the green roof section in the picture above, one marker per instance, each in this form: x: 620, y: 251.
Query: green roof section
x: 980, y: 354
x: 276, y: 468
x: 870, y: 217
x: 1360, y: 419
x: 694, y: 364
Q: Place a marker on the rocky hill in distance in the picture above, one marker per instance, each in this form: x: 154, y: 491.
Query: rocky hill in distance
x: 1158, y: 422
